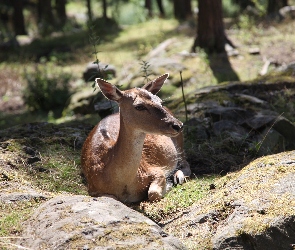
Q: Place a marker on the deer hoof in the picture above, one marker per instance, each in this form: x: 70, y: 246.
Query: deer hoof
x: 179, y: 177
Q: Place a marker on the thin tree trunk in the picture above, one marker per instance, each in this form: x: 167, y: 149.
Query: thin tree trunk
x: 60, y: 6
x: 89, y: 10
x: 45, y: 12
x: 161, y: 8
x: 18, y: 17
x: 104, y: 7
x: 149, y: 7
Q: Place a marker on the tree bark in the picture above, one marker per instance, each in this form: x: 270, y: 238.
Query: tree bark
x: 45, y: 12
x: 210, y: 34
x: 273, y: 6
x: 89, y: 10
x: 161, y: 8
x: 60, y: 6
x: 18, y: 17
x: 149, y: 7
x: 104, y: 8
x: 182, y: 9
x: 244, y: 3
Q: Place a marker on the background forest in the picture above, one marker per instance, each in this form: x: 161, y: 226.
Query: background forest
x: 46, y: 46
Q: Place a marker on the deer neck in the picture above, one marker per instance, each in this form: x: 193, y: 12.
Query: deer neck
x: 128, y: 149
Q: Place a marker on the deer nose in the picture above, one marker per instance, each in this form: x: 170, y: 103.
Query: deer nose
x: 177, y: 127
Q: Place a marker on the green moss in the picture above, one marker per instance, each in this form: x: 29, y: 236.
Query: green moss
x: 179, y: 198
x: 12, y: 216
x: 56, y: 163
x: 254, y: 181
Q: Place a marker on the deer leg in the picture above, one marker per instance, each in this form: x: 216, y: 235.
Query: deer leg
x: 183, y: 173
x: 157, y: 188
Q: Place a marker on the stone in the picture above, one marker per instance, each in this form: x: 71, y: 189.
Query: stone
x: 82, y: 102
x: 271, y: 142
x: 91, y: 72
x: 235, y: 114
x: 250, y: 209
x: 18, y: 196
x: 249, y: 98
x: 77, y: 222
x: 106, y: 107
x: 260, y: 120
x: 230, y: 127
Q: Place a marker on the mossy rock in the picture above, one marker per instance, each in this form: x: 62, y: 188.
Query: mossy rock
x: 250, y: 209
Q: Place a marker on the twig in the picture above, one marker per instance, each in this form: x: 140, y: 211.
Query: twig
x: 183, y: 97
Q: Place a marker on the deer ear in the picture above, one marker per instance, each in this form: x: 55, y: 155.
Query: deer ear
x: 155, y: 85
x: 109, y: 90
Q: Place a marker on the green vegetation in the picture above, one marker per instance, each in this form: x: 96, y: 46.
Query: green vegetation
x: 12, y: 214
x: 178, y: 199
x: 47, y: 88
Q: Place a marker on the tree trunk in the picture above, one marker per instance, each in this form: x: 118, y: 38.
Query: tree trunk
x: 104, y: 8
x: 244, y: 3
x: 211, y: 35
x: 45, y: 12
x: 149, y: 7
x: 89, y: 10
x: 60, y: 6
x: 273, y: 6
x: 182, y: 9
x: 161, y: 8
x: 18, y: 17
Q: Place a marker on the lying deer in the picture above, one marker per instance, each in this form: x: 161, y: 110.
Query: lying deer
x: 130, y: 154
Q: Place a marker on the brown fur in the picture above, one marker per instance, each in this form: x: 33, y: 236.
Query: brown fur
x: 130, y: 154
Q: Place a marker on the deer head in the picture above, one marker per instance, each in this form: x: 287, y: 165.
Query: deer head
x: 141, y: 109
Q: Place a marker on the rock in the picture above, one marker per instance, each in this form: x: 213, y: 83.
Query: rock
x: 261, y: 119
x: 287, y: 68
x: 248, y: 98
x: 106, y: 107
x: 161, y: 49
x: 270, y: 141
x: 251, y: 209
x: 158, y: 65
x: 197, y: 129
x: 82, y: 102
x: 254, y: 51
x: 230, y: 127
x: 285, y: 128
x: 235, y: 114
x: 287, y: 11
x: 92, y: 71
x: 17, y: 196
x: 83, y: 222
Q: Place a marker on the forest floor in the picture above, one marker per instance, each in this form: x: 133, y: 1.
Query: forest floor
x: 256, y: 44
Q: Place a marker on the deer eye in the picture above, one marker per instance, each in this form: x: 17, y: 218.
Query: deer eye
x: 140, y: 107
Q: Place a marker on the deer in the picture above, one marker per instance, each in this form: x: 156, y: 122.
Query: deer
x: 130, y: 154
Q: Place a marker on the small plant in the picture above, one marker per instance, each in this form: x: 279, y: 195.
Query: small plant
x: 47, y: 88
x: 94, y: 40
x: 145, y: 70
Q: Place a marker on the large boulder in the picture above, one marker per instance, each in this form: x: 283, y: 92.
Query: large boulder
x: 251, y: 209
x: 82, y: 222
x: 232, y: 124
